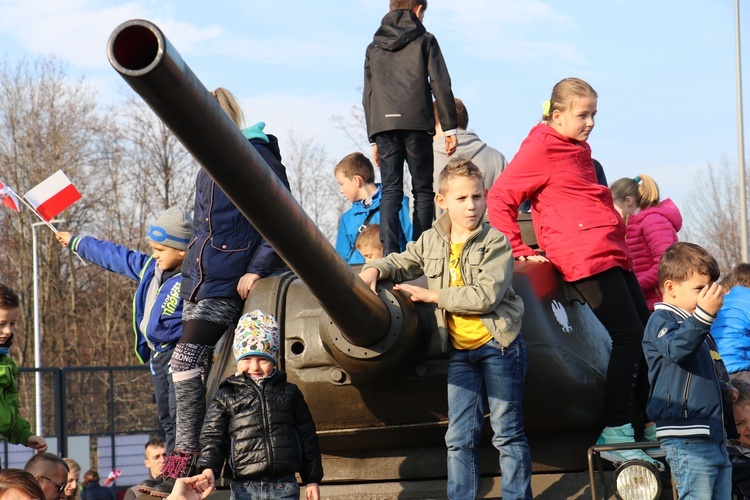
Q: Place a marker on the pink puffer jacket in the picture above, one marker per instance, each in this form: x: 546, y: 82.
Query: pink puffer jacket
x: 650, y: 232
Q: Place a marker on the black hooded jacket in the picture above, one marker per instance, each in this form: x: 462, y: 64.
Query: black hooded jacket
x: 267, y: 431
x: 403, y: 69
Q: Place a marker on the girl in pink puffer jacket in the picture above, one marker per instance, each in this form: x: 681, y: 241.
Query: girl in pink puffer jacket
x: 652, y: 226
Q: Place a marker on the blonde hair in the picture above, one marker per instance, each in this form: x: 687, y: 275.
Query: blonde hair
x: 73, y: 468
x: 458, y: 167
x: 369, y: 236
x: 642, y: 188
x: 229, y: 104
x: 564, y: 93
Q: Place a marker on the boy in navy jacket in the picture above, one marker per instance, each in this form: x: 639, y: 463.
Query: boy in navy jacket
x: 691, y: 396
x: 157, y: 306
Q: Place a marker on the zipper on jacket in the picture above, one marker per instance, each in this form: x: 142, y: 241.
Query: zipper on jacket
x: 685, y: 395
x: 266, y: 428
x: 199, y: 280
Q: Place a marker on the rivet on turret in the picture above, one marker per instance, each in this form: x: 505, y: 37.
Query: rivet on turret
x: 338, y: 375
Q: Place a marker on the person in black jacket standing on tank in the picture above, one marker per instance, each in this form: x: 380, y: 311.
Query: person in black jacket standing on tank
x: 404, y: 67
x: 261, y: 422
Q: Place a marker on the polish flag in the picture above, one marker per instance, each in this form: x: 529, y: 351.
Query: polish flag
x: 112, y: 476
x: 8, y: 197
x: 53, y: 195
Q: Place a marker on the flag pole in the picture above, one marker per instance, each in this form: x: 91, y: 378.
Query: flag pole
x: 53, y: 228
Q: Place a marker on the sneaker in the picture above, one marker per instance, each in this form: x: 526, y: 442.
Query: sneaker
x: 178, y: 464
x: 621, y: 435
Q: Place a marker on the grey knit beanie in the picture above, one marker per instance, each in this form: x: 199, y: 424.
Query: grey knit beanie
x: 173, y: 229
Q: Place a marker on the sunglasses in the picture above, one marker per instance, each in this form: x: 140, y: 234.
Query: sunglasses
x: 60, y: 487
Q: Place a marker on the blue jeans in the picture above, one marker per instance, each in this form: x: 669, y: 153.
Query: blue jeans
x: 166, y: 406
x: 266, y: 489
x: 700, y: 467
x: 414, y: 146
x: 497, y: 374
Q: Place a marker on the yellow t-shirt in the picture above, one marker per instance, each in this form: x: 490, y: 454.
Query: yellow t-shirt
x: 466, y: 330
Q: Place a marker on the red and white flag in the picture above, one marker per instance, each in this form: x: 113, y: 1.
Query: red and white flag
x: 8, y: 197
x: 53, y: 195
x: 112, y: 476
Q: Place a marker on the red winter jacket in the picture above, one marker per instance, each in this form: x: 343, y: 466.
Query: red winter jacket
x: 575, y: 221
x: 649, y: 233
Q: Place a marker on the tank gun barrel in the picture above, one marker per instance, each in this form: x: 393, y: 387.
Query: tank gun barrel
x: 142, y: 55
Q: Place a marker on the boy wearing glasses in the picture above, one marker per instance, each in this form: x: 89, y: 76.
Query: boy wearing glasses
x: 157, y: 306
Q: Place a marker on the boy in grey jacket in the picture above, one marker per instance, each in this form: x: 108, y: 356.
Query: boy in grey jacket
x: 469, y: 270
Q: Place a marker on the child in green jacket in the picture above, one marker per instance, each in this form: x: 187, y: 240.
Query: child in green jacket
x: 14, y: 428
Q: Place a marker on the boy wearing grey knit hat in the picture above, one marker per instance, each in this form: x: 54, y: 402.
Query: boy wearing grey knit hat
x: 261, y: 421
x: 157, y: 312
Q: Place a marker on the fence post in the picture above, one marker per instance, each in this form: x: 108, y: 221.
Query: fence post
x: 112, y: 416
x: 61, y: 410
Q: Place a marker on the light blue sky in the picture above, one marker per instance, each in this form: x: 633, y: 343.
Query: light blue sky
x: 664, y: 70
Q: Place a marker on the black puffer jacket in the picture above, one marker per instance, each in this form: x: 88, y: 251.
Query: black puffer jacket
x: 267, y: 431
x: 403, y: 68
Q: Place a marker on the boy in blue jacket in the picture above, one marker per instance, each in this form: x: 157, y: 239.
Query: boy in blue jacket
x: 691, y: 396
x: 157, y: 306
x: 356, y: 177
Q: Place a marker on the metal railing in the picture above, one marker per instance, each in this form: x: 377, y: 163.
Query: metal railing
x: 100, y: 416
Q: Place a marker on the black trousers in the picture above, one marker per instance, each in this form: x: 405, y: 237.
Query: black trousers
x: 617, y: 301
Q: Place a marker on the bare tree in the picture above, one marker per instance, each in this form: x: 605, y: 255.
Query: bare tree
x: 313, y: 184
x: 712, y: 214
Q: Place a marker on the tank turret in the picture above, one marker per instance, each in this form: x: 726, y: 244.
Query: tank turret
x: 370, y: 366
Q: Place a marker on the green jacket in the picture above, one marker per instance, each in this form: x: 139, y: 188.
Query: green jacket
x: 14, y: 428
x: 487, y: 270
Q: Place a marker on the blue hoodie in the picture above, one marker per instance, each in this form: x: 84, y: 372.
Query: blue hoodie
x: 165, y: 319
x: 355, y: 217
x: 731, y: 330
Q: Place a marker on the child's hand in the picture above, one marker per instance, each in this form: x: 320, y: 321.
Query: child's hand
x: 313, y: 491
x: 209, y: 473
x: 418, y: 294
x: 533, y: 258
x: 370, y: 277
x: 375, y: 155
x: 191, y: 488
x: 451, y: 141
x: 64, y: 237
x: 711, y: 297
x: 38, y: 443
x: 246, y: 284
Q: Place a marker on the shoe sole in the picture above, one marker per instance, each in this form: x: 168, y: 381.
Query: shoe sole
x: 616, y: 458
x: 159, y: 494
x: 145, y: 489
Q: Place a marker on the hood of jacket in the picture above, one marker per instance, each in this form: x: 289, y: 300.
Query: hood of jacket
x: 397, y: 29
x: 666, y: 209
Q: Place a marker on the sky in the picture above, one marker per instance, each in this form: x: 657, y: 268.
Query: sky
x: 665, y: 72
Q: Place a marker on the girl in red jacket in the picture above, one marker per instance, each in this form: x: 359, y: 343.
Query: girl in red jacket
x: 581, y: 233
x: 652, y: 227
